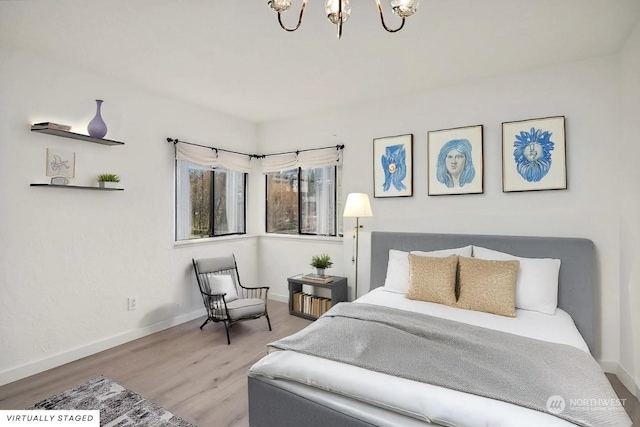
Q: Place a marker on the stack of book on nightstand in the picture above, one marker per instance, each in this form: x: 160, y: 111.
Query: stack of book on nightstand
x: 316, y: 278
x: 310, y: 304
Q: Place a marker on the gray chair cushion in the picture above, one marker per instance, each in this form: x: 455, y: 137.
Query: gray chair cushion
x: 245, y: 307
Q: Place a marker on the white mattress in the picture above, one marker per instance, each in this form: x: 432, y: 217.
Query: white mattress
x: 352, y: 390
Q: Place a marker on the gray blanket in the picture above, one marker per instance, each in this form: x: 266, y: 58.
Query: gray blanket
x: 471, y: 359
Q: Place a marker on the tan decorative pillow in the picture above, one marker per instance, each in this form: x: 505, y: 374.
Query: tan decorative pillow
x: 488, y: 286
x: 432, y: 279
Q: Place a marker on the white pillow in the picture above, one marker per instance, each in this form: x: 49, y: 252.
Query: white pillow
x: 221, y: 284
x: 397, y: 272
x: 397, y: 279
x: 537, y: 282
x: 443, y: 253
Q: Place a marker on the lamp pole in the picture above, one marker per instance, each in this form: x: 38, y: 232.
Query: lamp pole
x: 357, y: 206
x: 356, y: 236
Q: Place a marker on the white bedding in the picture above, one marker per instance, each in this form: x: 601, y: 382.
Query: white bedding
x: 558, y: 328
x: 405, y: 398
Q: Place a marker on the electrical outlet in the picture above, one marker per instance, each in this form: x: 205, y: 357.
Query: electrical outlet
x: 133, y: 304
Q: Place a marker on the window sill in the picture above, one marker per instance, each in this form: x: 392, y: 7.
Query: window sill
x: 209, y: 240
x: 302, y: 237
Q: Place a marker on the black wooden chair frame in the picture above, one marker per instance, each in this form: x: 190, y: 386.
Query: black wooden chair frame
x: 216, y: 304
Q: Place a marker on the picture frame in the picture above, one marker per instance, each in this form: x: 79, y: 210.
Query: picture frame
x: 455, y: 161
x: 393, y: 166
x: 61, y: 163
x: 534, y: 155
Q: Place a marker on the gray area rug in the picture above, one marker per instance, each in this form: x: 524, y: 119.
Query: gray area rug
x: 118, y: 406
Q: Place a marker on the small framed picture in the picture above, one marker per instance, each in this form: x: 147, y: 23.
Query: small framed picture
x: 393, y: 166
x: 61, y: 163
x: 455, y: 162
x: 534, y: 155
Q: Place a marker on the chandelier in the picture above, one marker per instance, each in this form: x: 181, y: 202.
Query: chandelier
x: 338, y: 12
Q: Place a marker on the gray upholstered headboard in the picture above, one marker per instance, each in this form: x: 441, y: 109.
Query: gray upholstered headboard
x: 578, y: 290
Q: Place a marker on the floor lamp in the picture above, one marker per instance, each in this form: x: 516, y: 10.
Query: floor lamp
x: 357, y: 206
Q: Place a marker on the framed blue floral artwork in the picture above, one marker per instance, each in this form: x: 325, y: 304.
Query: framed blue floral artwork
x: 455, y: 161
x: 534, y: 155
x: 393, y: 166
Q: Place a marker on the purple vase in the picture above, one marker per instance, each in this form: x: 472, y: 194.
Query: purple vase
x: 97, y: 127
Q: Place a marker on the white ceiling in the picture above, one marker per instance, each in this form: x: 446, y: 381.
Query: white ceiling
x: 232, y: 56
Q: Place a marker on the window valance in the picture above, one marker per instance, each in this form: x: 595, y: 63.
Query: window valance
x: 315, y: 158
x: 213, y: 158
x: 232, y: 160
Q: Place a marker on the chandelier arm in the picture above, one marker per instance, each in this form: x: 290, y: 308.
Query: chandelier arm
x: 339, y: 19
x: 384, y: 25
x: 304, y: 3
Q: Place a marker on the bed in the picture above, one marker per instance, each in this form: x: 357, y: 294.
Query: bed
x: 334, y: 394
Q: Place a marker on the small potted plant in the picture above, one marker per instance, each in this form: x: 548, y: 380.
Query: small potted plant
x: 108, y: 180
x: 321, y: 262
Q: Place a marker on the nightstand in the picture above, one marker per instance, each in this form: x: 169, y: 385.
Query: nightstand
x: 315, y: 305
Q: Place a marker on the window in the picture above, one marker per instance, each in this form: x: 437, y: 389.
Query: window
x: 282, y: 202
x: 210, y: 202
x: 302, y: 201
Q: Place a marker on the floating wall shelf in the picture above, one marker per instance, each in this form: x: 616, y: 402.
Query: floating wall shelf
x: 82, y: 187
x: 73, y: 135
x: 81, y: 137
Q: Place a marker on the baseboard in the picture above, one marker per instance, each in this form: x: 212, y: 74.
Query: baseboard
x: 278, y: 297
x: 625, y: 377
x: 608, y: 366
x: 26, y: 370
x: 628, y: 381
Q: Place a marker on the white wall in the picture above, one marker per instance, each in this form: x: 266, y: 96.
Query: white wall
x: 585, y: 92
x: 71, y: 258
x: 285, y: 256
x: 628, y: 147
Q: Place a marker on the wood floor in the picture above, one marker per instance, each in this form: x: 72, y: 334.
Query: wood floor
x: 190, y: 372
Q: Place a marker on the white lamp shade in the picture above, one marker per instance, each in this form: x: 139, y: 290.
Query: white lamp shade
x: 357, y: 206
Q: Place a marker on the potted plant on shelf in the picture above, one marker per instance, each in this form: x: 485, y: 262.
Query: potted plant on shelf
x: 321, y: 262
x: 108, y: 180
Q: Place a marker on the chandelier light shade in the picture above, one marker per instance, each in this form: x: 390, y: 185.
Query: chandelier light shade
x: 404, y: 8
x: 338, y: 12
x: 280, y: 5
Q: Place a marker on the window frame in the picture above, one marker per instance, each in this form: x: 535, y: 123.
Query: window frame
x: 211, y: 231
x: 336, y: 227
x: 245, y: 177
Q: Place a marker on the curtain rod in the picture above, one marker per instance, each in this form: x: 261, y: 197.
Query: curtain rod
x: 176, y: 140
x: 256, y: 156
x: 337, y: 147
